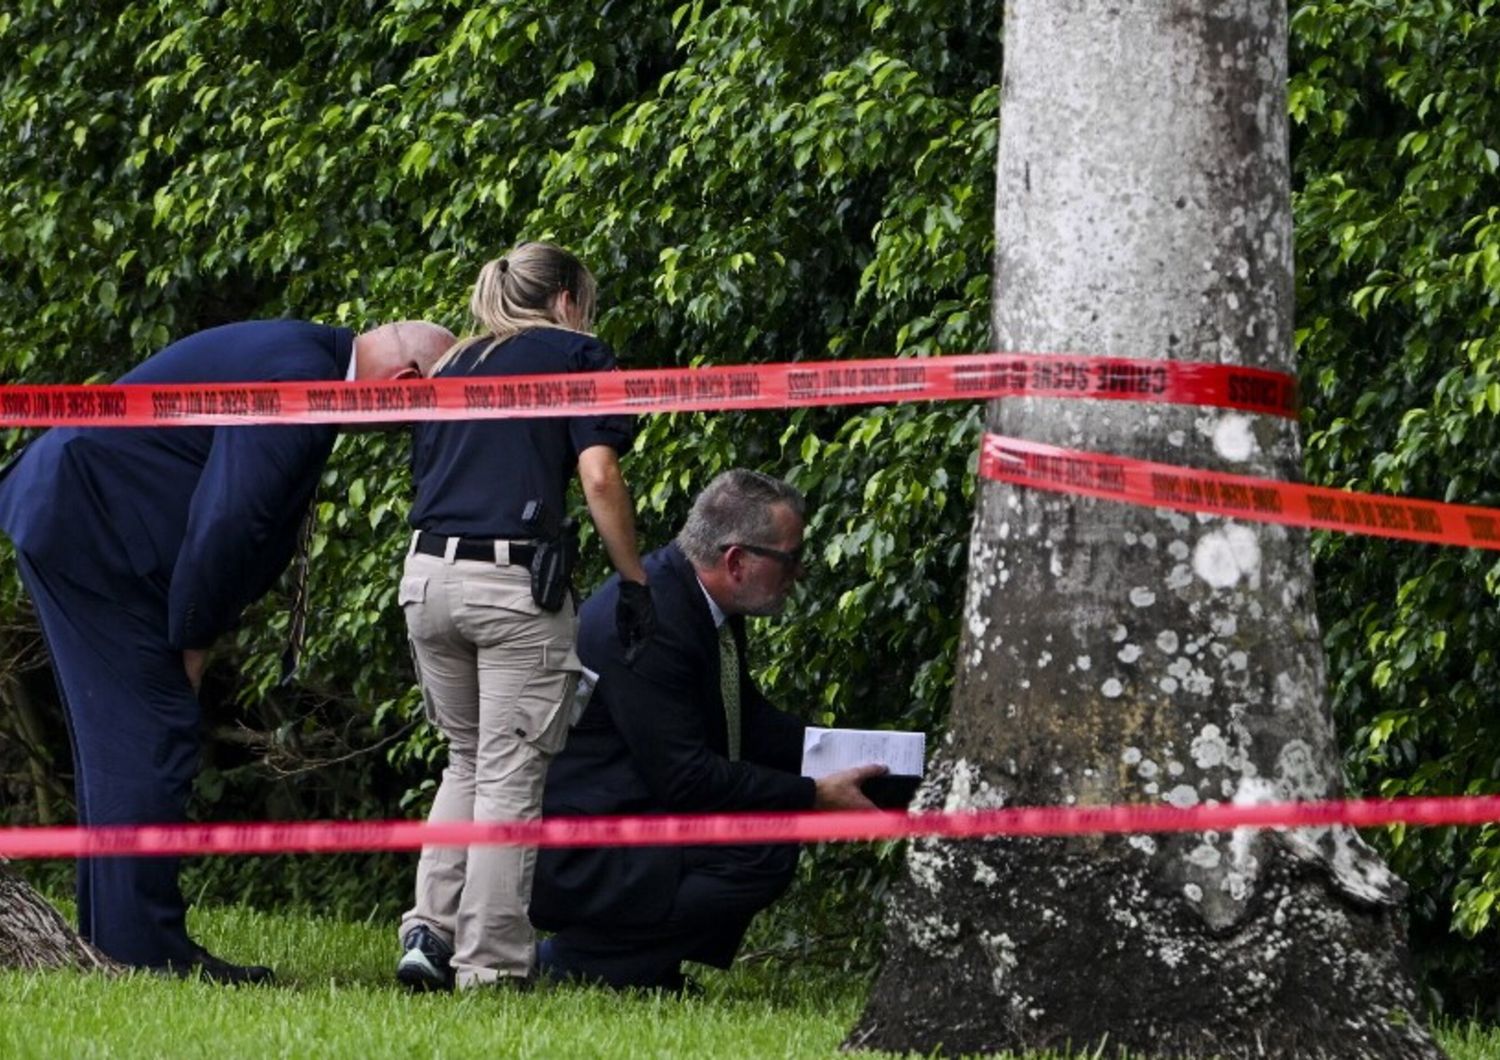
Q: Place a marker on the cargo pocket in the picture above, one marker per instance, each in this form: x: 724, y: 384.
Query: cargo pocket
x: 416, y: 666
x: 413, y: 589
x: 411, y: 595
x: 545, y: 706
x: 508, y: 597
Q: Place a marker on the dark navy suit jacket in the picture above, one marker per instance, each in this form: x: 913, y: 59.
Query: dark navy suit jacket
x: 654, y: 740
x: 205, y: 518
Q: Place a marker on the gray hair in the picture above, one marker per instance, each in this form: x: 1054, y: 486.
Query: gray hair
x: 735, y: 508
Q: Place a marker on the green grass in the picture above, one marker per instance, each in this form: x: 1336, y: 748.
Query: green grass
x: 336, y: 998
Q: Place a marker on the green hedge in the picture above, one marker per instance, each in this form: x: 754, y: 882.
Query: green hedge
x: 1398, y: 240
x: 750, y: 183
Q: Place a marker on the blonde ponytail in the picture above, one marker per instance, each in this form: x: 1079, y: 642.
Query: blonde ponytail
x: 519, y: 291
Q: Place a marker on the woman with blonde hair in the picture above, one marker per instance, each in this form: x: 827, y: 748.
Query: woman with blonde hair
x: 491, y: 637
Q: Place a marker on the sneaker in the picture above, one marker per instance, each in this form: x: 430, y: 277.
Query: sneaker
x: 427, y: 963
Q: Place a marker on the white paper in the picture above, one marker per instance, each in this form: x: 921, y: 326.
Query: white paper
x: 827, y: 751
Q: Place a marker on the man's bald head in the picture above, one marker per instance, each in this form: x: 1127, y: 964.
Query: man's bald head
x: 401, y: 349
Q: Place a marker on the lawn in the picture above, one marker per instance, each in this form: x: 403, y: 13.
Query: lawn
x: 336, y: 998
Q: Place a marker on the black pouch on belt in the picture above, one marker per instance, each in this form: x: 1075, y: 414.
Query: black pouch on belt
x: 555, y: 557
x: 552, y: 567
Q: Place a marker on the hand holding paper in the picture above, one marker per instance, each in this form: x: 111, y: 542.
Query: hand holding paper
x: 844, y: 790
x: 830, y: 752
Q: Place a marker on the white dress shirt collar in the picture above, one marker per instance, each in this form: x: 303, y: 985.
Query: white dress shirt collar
x: 713, y: 608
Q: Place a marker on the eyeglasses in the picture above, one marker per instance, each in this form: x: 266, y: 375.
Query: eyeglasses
x: 790, y: 560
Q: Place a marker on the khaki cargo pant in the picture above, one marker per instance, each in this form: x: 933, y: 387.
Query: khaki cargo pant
x: 498, y: 675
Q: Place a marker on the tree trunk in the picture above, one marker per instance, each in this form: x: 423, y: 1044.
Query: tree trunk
x: 33, y: 935
x: 1114, y: 654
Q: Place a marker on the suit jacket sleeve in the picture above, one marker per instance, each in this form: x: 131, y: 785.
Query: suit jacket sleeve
x: 242, y: 525
x: 771, y: 737
x: 657, y: 707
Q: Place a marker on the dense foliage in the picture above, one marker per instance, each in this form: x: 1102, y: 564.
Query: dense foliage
x: 1398, y: 221
x: 797, y: 179
x: 750, y: 183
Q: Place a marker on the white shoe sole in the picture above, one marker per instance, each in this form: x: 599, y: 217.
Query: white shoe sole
x: 415, y: 971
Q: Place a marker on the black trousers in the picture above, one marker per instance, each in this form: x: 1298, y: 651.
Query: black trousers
x: 719, y: 893
x: 134, y: 723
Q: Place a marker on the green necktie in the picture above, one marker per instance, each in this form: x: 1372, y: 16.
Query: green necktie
x: 729, y: 687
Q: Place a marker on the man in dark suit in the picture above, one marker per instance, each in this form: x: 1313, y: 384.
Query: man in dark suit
x: 682, y: 729
x: 139, y: 547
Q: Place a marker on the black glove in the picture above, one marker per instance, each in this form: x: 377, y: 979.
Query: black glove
x: 635, y: 618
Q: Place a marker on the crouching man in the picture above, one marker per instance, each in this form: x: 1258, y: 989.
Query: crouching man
x: 682, y: 729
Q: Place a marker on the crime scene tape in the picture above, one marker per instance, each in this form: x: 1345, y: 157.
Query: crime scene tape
x: 719, y: 388
x: 328, y: 837
x: 1059, y: 470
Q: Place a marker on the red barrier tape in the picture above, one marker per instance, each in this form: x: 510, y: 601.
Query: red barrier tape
x: 327, y: 837
x: 765, y: 386
x: 1059, y: 470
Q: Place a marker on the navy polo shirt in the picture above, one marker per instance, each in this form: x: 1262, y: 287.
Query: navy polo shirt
x: 474, y: 477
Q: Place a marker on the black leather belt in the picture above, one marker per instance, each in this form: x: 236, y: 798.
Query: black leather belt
x: 480, y: 548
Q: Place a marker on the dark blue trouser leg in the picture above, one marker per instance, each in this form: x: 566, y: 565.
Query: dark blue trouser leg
x: 81, y: 892
x: 134, y: 723
x: 721, y: 890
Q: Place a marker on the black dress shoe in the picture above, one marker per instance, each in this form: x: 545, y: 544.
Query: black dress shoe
x: 206, y: 966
